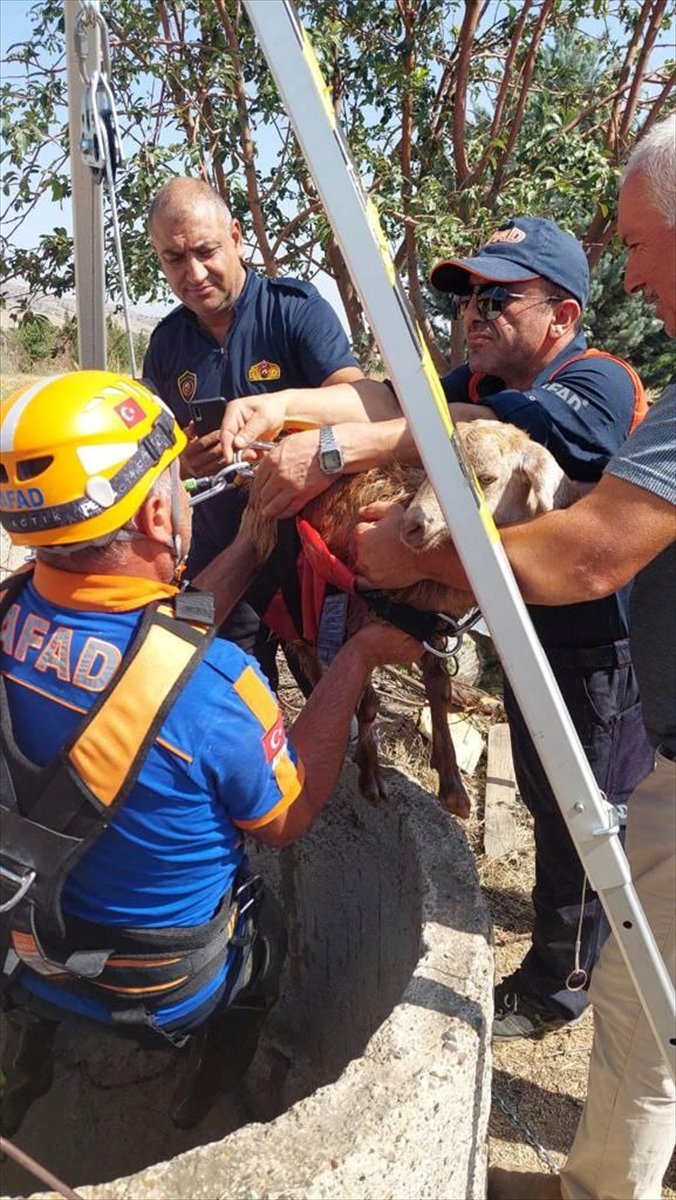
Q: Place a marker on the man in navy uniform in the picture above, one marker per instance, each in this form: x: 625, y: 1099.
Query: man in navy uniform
x: 235, y: 333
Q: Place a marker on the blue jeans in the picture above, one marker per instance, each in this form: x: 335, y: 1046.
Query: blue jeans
x: 601, y: 693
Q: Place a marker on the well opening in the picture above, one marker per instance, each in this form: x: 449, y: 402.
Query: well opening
x: 351, y: 895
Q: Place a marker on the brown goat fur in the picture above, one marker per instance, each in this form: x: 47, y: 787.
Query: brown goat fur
x: 519, y: 479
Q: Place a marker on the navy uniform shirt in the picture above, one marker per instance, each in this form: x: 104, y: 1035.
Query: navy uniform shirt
x: 284, y: 335
x: 581, y: 409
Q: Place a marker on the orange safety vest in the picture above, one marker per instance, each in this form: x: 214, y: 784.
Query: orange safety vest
x: 640, y: 401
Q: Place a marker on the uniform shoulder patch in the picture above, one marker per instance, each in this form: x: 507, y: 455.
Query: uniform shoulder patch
x: 274, y: 740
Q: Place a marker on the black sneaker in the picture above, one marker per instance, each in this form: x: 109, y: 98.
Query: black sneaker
x: 517, y: 1016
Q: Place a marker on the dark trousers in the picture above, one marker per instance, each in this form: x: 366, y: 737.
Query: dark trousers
x: 224, y: 1032
x: 601, y: 693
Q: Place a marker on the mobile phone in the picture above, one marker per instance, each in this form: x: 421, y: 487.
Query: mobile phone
x: 207, y: 412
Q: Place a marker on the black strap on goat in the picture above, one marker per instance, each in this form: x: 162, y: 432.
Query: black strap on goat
x: 425, y: 627
x: 51, y: 817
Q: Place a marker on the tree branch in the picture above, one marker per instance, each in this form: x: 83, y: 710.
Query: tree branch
x: 657, y: 106
x: 527, y: 75
x: 614, y: 119
x: 509, y: 63
x: 246, y: 141
x: 292, y: 225
x: 408, y: 17
x: 467, y: 31
x: 632, y: 100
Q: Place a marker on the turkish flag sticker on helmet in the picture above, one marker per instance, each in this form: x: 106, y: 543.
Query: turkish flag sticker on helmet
x: 274, y: 740
x: 130, y: 412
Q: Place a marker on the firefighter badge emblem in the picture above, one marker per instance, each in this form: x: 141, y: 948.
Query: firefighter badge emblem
x: 187, y: 386
x: 264, y: 372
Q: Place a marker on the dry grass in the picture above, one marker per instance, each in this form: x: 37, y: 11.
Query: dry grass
x: 11, y: 382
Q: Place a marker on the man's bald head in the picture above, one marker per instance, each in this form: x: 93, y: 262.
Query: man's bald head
x: 179, y: 197
x: 200, y: 247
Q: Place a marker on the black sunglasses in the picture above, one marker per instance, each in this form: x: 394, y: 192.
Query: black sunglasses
x: 490, y: 301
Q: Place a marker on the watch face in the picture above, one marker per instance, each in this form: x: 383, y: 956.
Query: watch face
x: 331, y: 461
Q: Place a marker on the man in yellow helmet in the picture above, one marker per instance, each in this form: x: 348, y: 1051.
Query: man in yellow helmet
x: 138, y: 749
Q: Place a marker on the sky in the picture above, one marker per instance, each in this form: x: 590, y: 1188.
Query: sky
x: 15, y: 26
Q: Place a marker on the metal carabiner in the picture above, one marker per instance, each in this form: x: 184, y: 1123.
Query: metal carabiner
x: 100, y: 142
x: 455, y: 638
x: 88, y: 17
x: 252, y: 446
x: 206, y: 486
x: 23, y: 882
x: 451, y: 646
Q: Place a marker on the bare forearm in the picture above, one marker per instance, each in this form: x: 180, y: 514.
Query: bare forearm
x: 556, y: 562
x: 372, y: 445
x: 320, y: 732
x: 364, y: 400
x: 229, y: 574
x: 584, y: 552
x: 461, y: 411
x: 550, y: 564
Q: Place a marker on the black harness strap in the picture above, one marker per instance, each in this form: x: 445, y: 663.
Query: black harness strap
x: 423, y: 626
x: 53, y: 815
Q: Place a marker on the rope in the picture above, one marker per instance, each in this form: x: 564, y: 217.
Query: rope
x: 527, y: 1132
x: 42, y: 1173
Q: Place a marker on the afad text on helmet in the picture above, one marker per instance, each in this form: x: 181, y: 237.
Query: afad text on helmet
x: 15, y: 498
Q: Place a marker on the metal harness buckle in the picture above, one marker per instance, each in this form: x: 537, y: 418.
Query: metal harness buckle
x: 22, y: 883
x: 456, y: 631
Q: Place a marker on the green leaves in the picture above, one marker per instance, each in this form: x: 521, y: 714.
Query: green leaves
x: 187, y: 82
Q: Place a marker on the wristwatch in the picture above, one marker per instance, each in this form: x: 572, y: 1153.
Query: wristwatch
x: 331, y: 459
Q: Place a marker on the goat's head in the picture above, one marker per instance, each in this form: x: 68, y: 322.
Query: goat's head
x: 518, y: 477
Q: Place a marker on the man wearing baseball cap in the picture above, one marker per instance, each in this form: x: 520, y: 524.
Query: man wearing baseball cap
x: 520, y: 298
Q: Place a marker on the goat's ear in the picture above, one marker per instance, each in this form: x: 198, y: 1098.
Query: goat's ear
x: 543, y: 473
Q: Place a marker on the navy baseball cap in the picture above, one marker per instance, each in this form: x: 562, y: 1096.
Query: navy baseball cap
x: 523, y: 248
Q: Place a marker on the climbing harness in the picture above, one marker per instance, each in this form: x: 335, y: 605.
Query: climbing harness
x: 52, y: 816
x: 100, y: 143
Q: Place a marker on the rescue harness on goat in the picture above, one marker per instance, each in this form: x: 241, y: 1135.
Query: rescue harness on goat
x: 51, y: 816
x: 322, y: 570
x: 318, y: 573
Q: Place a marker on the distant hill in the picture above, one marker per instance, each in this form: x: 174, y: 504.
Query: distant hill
x: 143, y: 320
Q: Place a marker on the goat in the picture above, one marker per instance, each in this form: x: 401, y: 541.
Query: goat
x: 519, y: 479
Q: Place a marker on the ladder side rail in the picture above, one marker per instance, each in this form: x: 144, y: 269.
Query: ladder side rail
x: 87, y: 204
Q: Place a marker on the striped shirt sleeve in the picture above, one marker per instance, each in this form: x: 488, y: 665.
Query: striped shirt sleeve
x: 648, y: 458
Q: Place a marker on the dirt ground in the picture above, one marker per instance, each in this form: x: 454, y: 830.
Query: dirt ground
x: 538, y: 1086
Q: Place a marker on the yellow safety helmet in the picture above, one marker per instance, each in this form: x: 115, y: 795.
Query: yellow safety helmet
x: 78, y: 455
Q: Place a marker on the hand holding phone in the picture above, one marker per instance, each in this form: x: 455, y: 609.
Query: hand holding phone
x: 203, y: 454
